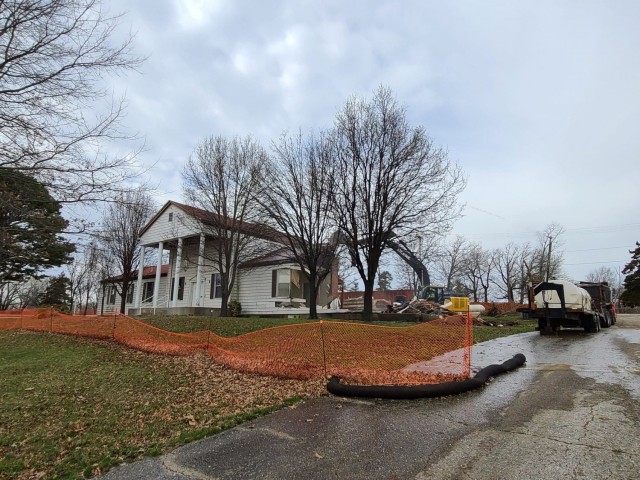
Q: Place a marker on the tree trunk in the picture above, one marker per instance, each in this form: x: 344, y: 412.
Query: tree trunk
x: 486, y: 294
x: 313, y: 296
x: 367, y: 312
x: 313, y: 304
x: 104, y: 291
x: 123, y: 296
x: 223, y: 304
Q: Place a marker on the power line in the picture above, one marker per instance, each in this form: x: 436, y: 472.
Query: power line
x: 594, y: 249
x: 590, y: 229
x: 593, y: 263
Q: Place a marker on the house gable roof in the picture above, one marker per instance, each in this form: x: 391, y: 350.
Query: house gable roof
x: 213, y: 219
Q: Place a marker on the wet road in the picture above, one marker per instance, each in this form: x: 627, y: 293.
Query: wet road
x: 572, y: 412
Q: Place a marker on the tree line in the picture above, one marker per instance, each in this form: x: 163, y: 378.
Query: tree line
x: 348, y: 191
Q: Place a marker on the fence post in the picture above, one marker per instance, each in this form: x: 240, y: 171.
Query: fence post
x: 324, y: 352
x: 113, y: 331
x: 206, y: 348
x: 51, y: 319
x: 468, y: 343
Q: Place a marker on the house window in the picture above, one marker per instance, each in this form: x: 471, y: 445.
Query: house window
x: 281, y: 283
x: 111, y: 295
x: 216, y: 286
x: 171, y: 216
x: 147, y: 292
x: 130, y: 294
x: 180, y: 288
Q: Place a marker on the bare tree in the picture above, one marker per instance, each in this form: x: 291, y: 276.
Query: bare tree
x: 473, y: 266
x: 83, y: 273
x: 119, y: 237
x: 451, y: 263
x: 507, y: 262
x: 391, y: 181
x: 608, y: 275
x: 221, y: 177
x: 10, y: 294
x: 488, y: 266
x: 297, y: 198
x: 602, y: 274
x: 537, y: 261
x: 55, y: 55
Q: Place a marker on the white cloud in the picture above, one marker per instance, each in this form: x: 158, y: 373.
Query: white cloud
x: 537, y: 100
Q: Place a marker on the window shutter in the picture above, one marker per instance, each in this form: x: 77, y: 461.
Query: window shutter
x: 181, y: 288
x: 213, y: 285
x: 274, y: 283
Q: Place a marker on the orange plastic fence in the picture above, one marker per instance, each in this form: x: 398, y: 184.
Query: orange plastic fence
x: 430, y: 352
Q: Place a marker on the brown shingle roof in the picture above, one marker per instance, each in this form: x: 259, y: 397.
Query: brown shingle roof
x: 147, y: 272
x: 213, y: 219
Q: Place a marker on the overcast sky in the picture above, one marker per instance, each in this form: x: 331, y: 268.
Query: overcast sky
x: 538, y: 101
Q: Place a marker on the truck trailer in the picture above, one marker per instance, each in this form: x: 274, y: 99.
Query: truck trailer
x: 559, y: 303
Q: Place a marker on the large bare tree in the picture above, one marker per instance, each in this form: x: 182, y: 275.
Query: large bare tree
x: 507, y: 268
x: 221, y: 178
x: 84, y: 275
x: 488, y: 265
x: 55, y: 55
x: 391, y: 181
x: 297, y: 198
x: 119, y: 238
x: 450, y: 265
x: 473, y: 267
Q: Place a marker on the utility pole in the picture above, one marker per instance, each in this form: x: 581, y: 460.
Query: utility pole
x: 549, y: 258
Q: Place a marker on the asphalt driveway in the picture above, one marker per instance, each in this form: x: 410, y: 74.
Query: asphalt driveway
x: 572, y: 412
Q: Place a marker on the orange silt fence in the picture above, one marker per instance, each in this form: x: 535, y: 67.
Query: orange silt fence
x: 431, y: 352
x: 291, y: 351
x: 139, y: 335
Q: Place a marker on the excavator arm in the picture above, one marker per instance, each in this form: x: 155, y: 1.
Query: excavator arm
x: 405, y: 253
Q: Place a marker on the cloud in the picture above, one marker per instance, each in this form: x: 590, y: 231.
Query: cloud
x: 538, y: 101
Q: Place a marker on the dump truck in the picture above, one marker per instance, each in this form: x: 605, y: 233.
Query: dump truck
x: 559, y: 303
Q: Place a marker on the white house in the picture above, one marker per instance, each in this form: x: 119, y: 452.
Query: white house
x: 270, y: 283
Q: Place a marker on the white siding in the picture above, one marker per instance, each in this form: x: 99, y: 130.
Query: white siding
x: 109, y: 308
x: 162, y: 229
x: 254, y: 289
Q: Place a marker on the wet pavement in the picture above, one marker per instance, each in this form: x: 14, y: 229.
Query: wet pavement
x: 573, y: 411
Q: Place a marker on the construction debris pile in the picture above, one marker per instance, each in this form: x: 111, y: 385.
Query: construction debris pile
x: 420, y: 306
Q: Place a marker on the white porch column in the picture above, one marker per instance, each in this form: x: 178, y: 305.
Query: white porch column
x: 198, y: 291
x: 138, y: 301
x: 176, y: 278
x: 156, y: 285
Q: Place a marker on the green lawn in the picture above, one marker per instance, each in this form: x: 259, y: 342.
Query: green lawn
x: 71, y: 407
x: 231, y: 327
x: 504, y: 326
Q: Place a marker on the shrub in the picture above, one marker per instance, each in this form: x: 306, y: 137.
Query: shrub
x: 234, y: 308
x: 492, y: 311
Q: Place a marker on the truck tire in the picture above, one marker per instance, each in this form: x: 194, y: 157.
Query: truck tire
x: 606, y: 321
x: 542, y: 327
x: 592, y: 325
